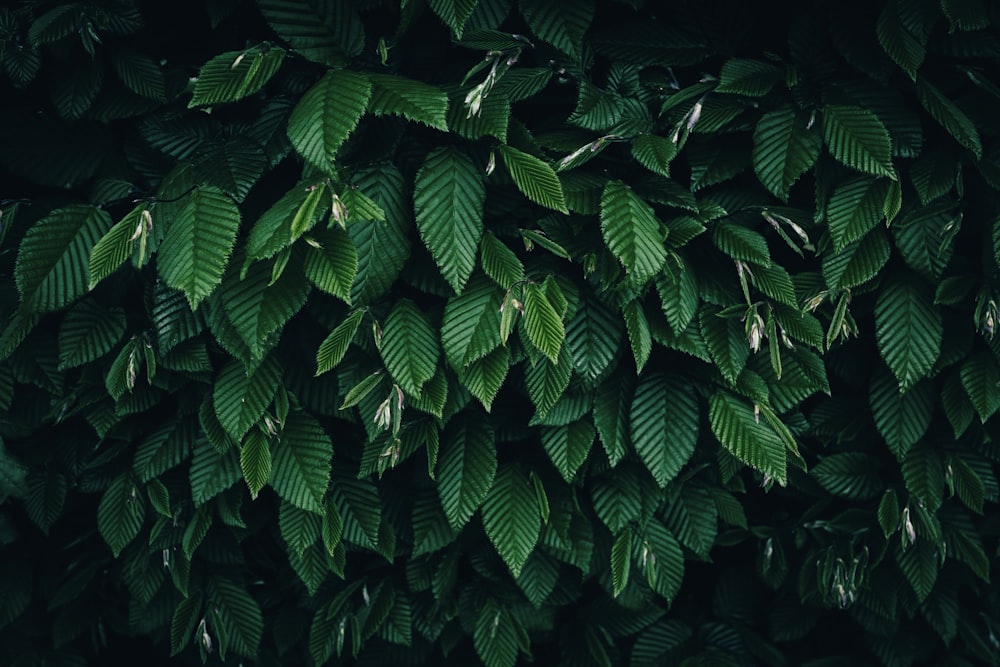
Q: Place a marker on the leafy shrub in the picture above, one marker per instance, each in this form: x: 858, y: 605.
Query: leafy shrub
x: 590, y: 332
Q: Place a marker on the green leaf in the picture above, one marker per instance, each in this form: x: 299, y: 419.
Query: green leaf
x: 467, y: 466
x: 923, y: 473
x: 238, y: 619
x: 411, y: 99
x: 332, y: 266
x: 140, y: 74
x: 164, y: 448
x: 981, y: 380
x: 663, y: 425
x: 470, y: 329
x: 183, y: 622
x: 775, y: 282
x: 965, y: 14
x: 849, y: 474
x: 901, y: 418
x: 924, y: 238
x: 495, y: 636
x: 726, y: 341
x: 632, y: 232
x: 234, y: 75
x: 241, y: 396
x: 542, y: 323
x: 197, y: 244
x: 858, y: 262
x: 966, y: 483
x: 196, y: 530
x: 743, y: 76
x: 117, y: 245
x: 431, y: 530
x: 383, y: 247
x: 259, y: 307
x: 741, y: 243
x: 612, y: 402
x: 621, y: 561
x: 639, y: 336
x: 751, y: 441
x: 568, y: 446
x: 159, y: 497
x: 88, y: 332
x: 120, y: 513
x: 255, y: 461
x: 854, y: 209
x: 888, y: 512
x: 858, y: 139
x: 333, y: 348
x: 326, y: 115
x: 546, y: 382
x: 594, y: 336
x: 899, y: 43
x: 211, y: 472
x: 919, y: 564
x: 691, y: 516
x: 53, y: 258
x: 409, y: 346
x: 617, y: 498
x: 358, y: 503
x: 951, y: 118
x: 327, y: 32
x: 534, y: 178
x: 484, y: 377
x: 448, y: 199
x: 660, y: 558
x: 301, y: 459
x: 562, y: 23
x: 654, y: 153
x: 454, y: 13
x: 908, y: 330
x: 510, y: 516
x: 499, y: 262
x: 784, y: 148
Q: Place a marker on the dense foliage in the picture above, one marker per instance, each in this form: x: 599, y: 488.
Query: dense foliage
x: 578, y: 331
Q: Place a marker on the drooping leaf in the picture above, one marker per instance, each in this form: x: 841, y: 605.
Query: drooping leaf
x: 448, y: 199
x: 858, y: 139
x: 197, y: 244
x: 237, y: 616
x: 547, y: 380
x: 632, y: 232
x: 562, y: 23
x: 241, y: 396
x: 660, y: 559
x: 409, y: 347
x: 784, y: 149
x: 854, y: 209
x: 510, y: 516
x: 233, y: 75
x: 327, y: 32
x: 454, y: 13
x: 470, y: 329
x: 621, y: 561
x: 88, y: 332
x: 327, y: 114
x: 333, y: 348
x: 542, y: 323
x: 255, y: 461
x: 654, y: 153
x: 414, y: 100
x: 747, y: 438
x: 950, y: 116
x: 908, y: 329
x: 120, y: 513
x: 467, y: 466
x: 118, y: 244
x: 534, y: 178
x: 300, y: 462
x: 594, y: 335
x: 981, y: 380
x: 53, y: 259
x: 744, y: 76
x: 663, y: 425
x: 499, y: 262
x: 332, y: 266
x: 568, y: 446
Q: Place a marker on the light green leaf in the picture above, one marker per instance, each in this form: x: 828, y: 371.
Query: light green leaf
x: 120, y: 513
x: 414, y: 100
x: 751, y: 441
x: 534, y: 178
x: 197, y: 244
x: 908, y: 330
x: 858, y: 139
x: 467, y: 466
x: 53, y: 258
x: 327, y: 114
x: 632, y: 232
x: 448, y: 198
x: 663, y: 425
x: 301, y: 458
x: 409, y: 346
x: 510, y: 516
x: 784, y: 148
x: 234, y: 75
x: 333, y: 348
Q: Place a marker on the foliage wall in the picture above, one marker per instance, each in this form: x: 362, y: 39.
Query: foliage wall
x: 565, y: 331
